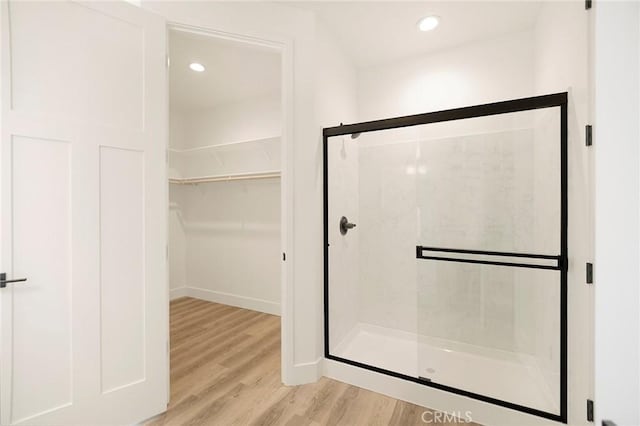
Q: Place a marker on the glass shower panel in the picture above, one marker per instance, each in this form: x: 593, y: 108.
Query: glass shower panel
x: 491, y: 183
x: 491, y: 330
x: 488, y: 280
x: 371, y: 269
x: 444, y: 261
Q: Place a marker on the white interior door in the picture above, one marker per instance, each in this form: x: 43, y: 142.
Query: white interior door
x: 83, y: 193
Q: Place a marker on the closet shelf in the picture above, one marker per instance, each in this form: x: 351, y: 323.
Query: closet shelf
x: 269, y: 174
x: 228, y: 145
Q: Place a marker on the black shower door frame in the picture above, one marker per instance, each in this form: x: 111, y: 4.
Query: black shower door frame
x: 511, y: 106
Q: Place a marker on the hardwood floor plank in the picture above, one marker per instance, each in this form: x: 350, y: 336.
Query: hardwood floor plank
x: 243, y: 352
x: 216, y: 332
x: 177, y: 303
x: 184, y: 305
x: 362, y: 407
x: 260, y: 394
x: 211, y: 410
x: 210, y: 329
x: 406, y: 414
x: 198, y: 314
x: 324, y: 400
x: 301, y: 421
x: 341, y: 406
x: 223, y: 385
x: 262, y: 327
x: 283, y: 406
x: 195, y: 381
x: 238, y: 343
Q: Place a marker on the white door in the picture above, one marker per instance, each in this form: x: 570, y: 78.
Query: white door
x: 83, y: 202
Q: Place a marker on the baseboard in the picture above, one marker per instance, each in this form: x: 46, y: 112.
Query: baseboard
x: 176, y: 293
x: 259, y: 305
x: 307, y: 372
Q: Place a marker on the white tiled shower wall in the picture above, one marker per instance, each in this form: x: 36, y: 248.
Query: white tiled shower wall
x: 471, y: 191
x: 345, y: 250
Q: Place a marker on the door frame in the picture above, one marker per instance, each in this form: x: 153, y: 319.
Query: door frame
x: 284, y: 48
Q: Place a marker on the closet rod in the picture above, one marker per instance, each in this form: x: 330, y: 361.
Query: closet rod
x: 224, y: 178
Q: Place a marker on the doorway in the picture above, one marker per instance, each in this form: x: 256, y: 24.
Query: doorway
x: 225, y: 198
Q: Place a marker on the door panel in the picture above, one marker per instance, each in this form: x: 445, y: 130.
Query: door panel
x: 41, y: 186
x: 102, y: 70
x: 83, y: 199
x: 122, y: 266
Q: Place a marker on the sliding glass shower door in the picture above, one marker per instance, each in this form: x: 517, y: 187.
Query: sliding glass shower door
x: 445, y: 258
x: 488, y: 256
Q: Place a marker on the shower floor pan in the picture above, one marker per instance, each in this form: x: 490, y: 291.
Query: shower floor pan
x: 498, y: 374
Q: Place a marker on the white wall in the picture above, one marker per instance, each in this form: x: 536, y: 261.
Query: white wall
x: 228, y: 123
x: 224, y: 243
x: 475, y: 73
x: 336, y: 81
x: 232, y: 232
x: 336, y: 103
x: 617, y: 212
x: 177, y: 130
x: 177, y: 244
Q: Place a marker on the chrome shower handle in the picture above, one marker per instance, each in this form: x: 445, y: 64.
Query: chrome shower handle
x: 345, y: 225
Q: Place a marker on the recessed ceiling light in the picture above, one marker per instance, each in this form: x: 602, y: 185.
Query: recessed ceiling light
x: 428, y: 23
x: 196, y: 67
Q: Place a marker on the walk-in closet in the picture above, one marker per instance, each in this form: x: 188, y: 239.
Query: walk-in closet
x: 224, y: 205
x: 224, y: 171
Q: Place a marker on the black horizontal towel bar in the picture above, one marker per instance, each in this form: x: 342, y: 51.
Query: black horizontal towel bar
x: 557, y: 267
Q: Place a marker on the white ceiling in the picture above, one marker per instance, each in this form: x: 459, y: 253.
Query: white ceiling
x: 234, y: 72
x: 370, y: 32
x: 379, y: 32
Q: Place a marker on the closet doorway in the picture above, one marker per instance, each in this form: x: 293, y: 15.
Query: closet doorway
x: 225, y: 190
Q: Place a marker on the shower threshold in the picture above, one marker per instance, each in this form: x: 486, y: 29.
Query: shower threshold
x: 498, y: 374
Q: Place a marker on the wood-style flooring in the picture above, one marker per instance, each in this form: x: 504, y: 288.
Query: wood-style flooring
x: 225, y: 370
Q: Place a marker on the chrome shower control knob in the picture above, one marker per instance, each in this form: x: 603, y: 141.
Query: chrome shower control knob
x: 345, y: 225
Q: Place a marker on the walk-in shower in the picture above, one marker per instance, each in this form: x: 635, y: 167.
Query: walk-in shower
x: 446, y: 250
